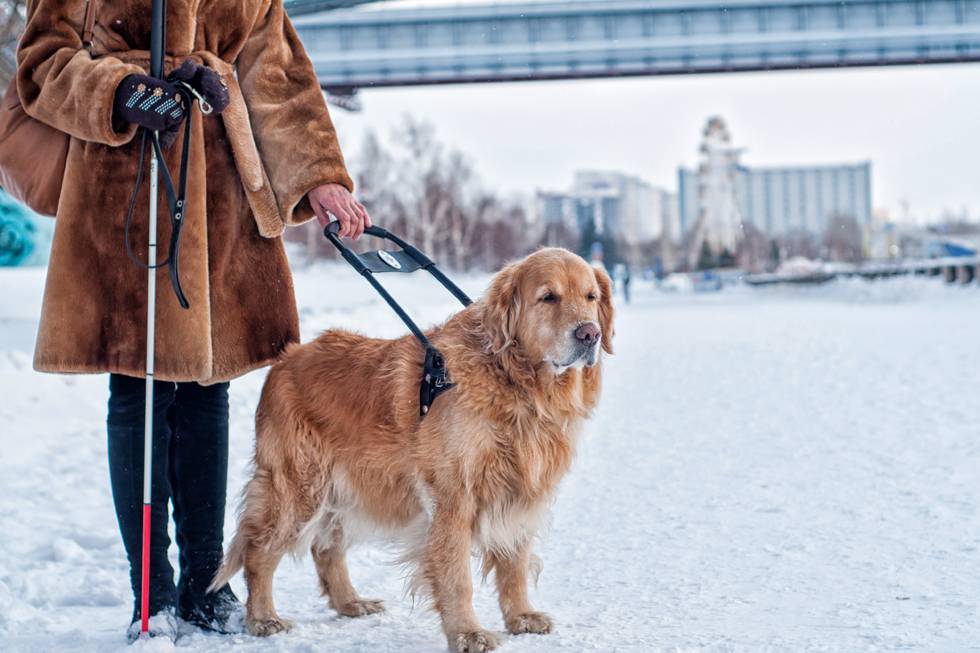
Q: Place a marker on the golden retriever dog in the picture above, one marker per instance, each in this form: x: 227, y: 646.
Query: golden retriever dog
x: 341, y: 452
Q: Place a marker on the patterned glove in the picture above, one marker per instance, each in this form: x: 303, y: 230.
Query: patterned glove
x: 206, y: 81
x: 149, y: 102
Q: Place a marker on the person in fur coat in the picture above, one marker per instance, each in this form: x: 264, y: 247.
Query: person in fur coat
x: 270, y: 159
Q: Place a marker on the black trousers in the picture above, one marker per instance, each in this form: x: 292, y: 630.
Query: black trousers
x: 190, y: 469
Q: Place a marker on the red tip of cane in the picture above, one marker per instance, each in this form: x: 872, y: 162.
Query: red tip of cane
x: 145, y: 574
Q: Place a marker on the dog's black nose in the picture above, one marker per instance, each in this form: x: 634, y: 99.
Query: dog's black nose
x: 588, y: 333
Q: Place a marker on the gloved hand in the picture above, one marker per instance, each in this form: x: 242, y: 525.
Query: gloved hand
x: 149, y: 102
x: 206, y: 81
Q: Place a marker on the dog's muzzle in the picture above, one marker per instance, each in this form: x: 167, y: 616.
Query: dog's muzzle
x: 583, y: 350
x: 588, y: 335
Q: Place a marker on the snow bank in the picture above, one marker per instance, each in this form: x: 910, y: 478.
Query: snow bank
x: 775, y: 469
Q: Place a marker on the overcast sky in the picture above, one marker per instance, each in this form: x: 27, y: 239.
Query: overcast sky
x: 918, y: 126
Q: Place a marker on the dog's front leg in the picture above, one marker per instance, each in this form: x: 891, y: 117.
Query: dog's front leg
x: 511, y: 572
x: 447, y: 571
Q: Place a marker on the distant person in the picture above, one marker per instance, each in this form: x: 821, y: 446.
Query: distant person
x: 621, y: 277
x: 271, y: 159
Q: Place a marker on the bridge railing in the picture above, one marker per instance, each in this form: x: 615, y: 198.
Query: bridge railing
x: 549, y: 40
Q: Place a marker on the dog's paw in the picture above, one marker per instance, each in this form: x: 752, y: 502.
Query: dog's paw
x: 530, y: 622
x: 361, y: 607
x: 266, y: 627
x: 477, y: 641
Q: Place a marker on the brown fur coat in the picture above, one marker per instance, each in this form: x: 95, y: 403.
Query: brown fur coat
x: 250, y: 170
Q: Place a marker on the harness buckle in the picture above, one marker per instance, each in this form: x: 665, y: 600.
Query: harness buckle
x: 204, y: 105
x: 435, y: 379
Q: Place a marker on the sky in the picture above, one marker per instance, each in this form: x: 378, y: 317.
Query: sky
x: 916, y: 124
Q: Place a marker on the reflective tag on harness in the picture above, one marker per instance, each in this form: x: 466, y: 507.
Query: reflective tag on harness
x: 389, y: 259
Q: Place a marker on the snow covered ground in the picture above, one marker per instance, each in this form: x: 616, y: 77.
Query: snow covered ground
x: 770, y: 470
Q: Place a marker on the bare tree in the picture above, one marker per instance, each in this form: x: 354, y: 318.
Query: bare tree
x: 375, y: 176
x: 503, y: 235
x: 430, y: 194
x: 456, y: 181
x: 800, y: 242
x: 843, y: 239
x: 560, y: 234
x: 421, y: 177
x: 754, y: 250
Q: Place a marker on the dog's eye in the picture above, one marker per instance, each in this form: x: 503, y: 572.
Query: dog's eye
x: 549, y: 297
x: 592, y: 297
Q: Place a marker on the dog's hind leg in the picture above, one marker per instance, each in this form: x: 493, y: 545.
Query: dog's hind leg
x: 330, y: 556
x: 261, y: 618
x: 266, y: 529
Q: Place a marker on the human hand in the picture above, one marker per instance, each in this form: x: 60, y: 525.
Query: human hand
x: 206, y: 81
x: 149, y: 102
x: 334, y: 199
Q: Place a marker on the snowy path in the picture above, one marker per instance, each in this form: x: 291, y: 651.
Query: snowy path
x: 769, y: 470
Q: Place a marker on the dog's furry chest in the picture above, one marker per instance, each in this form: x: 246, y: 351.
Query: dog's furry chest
x: 525, y: 459
x: 512, y: 477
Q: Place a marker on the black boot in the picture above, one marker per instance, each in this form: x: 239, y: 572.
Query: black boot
x: 220, y: 611
x: 199, y: 478
x: 162, y: 624
x: 125, y: 439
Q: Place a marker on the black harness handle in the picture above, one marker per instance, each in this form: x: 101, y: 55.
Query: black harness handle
x: 407, y: 259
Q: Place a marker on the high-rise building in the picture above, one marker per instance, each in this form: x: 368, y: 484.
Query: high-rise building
x: 782, y: 199
x: 611, y: 203
x: 723, y: 193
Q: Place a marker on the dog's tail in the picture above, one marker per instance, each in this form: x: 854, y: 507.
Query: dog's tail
x: 233, y: 562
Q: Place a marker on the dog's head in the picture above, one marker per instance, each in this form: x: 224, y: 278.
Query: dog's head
x: 555, y: 307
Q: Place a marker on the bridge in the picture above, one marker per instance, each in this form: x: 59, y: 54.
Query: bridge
x: 570, y: 39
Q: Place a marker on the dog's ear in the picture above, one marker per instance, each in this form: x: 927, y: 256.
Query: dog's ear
x: 502, y: 309
x: 605, y: 308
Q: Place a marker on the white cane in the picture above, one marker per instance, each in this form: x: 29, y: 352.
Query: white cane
x: 151, y: 301
x: 156, y: 69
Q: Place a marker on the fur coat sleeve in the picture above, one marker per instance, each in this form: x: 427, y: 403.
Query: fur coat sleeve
x: 292, y: 127
x: 58, y: 80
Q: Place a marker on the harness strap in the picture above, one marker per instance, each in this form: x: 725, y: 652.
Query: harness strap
x: 435, y: 376
x: 88, y: 25
x: 176, y: 199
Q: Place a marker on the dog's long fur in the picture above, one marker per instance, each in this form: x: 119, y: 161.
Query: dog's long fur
x: 340, y: 447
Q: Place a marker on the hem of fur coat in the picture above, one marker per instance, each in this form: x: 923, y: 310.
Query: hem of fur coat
x: 75, y: 367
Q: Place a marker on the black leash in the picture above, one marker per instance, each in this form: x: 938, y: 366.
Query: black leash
x: 175, y: 198
x: 435, y: 376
